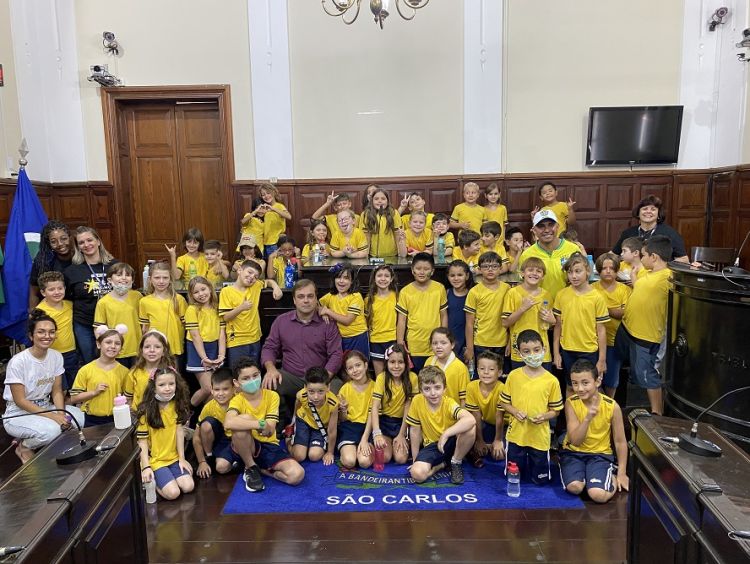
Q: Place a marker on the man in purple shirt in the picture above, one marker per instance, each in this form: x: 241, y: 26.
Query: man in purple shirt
x: 302, y: 339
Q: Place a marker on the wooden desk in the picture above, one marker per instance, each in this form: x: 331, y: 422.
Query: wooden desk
x: 672, y: 514
x: 87, y: 512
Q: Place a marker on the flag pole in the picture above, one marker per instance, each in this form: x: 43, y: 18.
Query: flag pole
x: 23, y: 150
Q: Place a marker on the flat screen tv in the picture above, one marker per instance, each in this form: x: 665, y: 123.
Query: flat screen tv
x: 637, y: 135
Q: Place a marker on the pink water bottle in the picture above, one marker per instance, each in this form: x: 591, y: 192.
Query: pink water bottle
x: 379, y: 463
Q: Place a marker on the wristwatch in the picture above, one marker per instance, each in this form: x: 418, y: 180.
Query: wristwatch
x: 261, y: 424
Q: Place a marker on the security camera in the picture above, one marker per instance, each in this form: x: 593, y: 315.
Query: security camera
x: 101, y: 75
x: 111, y: 45
x: 717, y: 18
x: 746, y: 32
x: 108, y: 36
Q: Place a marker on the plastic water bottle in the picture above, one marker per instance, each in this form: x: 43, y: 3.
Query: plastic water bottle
x: 192, y: 270
x: 289, y: 275
x: 379, y: 462
x: 150, y: 488
x: 317, y: 256
x: 441, y: 249
x: 145, y: 276
x: 514, y: 479
x: 121, y: 413
x: 544, y: 326
x: 472, y: 371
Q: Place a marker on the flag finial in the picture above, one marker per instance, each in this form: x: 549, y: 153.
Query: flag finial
x: 23, y: 150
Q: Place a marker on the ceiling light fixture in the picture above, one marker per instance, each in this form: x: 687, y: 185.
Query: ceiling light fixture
x: 379, y: 8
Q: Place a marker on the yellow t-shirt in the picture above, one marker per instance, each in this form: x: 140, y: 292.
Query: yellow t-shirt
x: 456, y: 376
x: 214, y: 409
x: 406, y: 218
x: 254, y: 228
x: 273, y: 224
x: 529, y: 319
x: 487, y: 305
x: 499, y: 248
x: 463, y: 212
x: 332, y: 223
x: 89, y: 377
x: 393, y: 407
x: 330, y: 405
x: 562, y: 213
x: 499, y: 214
x: 110, y: 311
x: 267, y: 409
x: 419, y: 242
x: 486, y: 405
x: 245, y: 328
x: 65, y: 339
x: 162, y: 442
x: 616, y: 298
x: 450, y: 242
x: 192, y: 267
x: 471, y: 260
x: 383, y: 243
x: 357, y: 240
x: 533, y: 396
x: 383, y: 320
x: 555, y: 279
x: 433, y: 423
x: 307, y: 253
x: 359, y: 402
x: 579, y: 315
x: 161, y: 314
x: 206, y: 320
x: 422, y: 310
x: 135, y: 384
x: 599, y: 434
x: 217, y: 280
x: 349, y: 304
x: 646, y: 311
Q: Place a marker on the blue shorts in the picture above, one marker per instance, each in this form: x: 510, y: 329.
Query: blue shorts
x: 377, y: 350
x: 94, y: 420
x: 488, y: 432
x: 390, y: 426
x: 194, y: 359
x: 307, y: 436
x: 268, y: 455
x: 642, y: 355
x: 596, y: 470
x: 350, y: 433
x: 269, y: 249
x: 166, y: 474
x: 432, y: 456
x: 614, y: 363
x: 531, y: 462
x: 251, y: 350
x: 359, y: 343
x: 569, y: 357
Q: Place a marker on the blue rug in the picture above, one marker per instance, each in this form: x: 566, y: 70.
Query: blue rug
x: 327, y: 488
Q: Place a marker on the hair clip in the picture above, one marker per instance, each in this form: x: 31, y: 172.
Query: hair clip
x: 336, y: 268
x: 152, y: 374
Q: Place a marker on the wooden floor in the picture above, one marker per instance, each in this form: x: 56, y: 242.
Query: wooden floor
x: 194, y: 530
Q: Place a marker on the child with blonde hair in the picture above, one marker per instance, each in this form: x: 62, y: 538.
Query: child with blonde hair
x: 163, y: 309
x: 275, y: 218
x: 468, y: 214
x: 120, y: 306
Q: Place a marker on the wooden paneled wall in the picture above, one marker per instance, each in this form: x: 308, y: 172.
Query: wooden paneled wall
x: 708, y: 207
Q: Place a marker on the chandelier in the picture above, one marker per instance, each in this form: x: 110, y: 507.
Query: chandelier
x: 379, y: 8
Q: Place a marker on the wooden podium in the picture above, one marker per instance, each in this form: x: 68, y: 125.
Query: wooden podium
x: 683, y: 507
x: 87, y: 512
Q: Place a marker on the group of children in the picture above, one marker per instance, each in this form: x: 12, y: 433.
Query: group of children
x: 456, y: 371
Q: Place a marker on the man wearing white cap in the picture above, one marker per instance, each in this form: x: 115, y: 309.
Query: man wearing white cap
x: 553, y: 250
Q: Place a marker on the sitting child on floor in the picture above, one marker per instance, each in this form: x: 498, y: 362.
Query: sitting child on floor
x: 316, y: 419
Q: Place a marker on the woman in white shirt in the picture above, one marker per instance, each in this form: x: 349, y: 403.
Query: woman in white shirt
x: 33, y: 383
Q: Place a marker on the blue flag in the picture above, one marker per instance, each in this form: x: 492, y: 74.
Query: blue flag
x: 27, y: 218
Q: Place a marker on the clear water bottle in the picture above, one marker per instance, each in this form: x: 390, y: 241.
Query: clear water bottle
x: 192, y: 270
x: 150, y: 488
x: 145, y: 276
x: 290, y: 273
x: 472, y: 370
x: 440, y: 249
x: 514, y: 479
x: 121, y: 413
x: 317, y: 257
x: 379, y: 461
x: 544, y: 326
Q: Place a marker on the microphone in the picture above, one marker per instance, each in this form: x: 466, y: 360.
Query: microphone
x: 377, y: 259
x: 7, y: 550
x: 84, y: 450
x: 694, y: 444
x: 735, y: 268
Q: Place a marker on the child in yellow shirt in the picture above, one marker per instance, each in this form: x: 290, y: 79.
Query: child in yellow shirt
x: 345, y: 306
x: 120, y: 307
x: 494, y: 210
x: 348, y: 241
x: 456, y: 372
x: 482, y: 396
x: 564, y: 211
x: 193, y: 262
x: 54, y: 304
x: 492, y: 240
x: 380, y: 313
x: 316, y: 419
x: 355, y: 425
x: 275, y: 218
x: 468, y: 214
x: 211, y: 444
x: 468, y: 249
x: 418, y: 236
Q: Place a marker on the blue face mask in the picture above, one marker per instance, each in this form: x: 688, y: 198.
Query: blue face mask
x: 251, y: 386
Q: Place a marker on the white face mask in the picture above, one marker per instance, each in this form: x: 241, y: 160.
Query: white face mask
x: 121, y: 289
x: 534, y: 360
x: 160, y: 397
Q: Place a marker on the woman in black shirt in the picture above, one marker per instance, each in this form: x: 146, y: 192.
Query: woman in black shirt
x: 55, y: 253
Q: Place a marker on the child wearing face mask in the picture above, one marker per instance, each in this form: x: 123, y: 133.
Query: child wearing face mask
x: 532, y: 397
x: 120, y: 307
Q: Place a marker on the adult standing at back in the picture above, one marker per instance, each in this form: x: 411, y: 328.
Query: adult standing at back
x: 551, y: 249
x: 300, y: 339
x: 650, y: 215
x: 56, y: 252
x: 86, y: 282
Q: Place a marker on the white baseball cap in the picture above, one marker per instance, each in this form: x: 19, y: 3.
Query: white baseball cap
x: 542, y: 215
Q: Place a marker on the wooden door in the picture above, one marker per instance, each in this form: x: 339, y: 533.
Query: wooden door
x: 176, y: 175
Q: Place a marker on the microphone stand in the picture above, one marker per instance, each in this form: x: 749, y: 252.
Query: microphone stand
x: 377, y: 259
x: 84, y: 450
x: 692, y: 443
x: 735, y: 268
